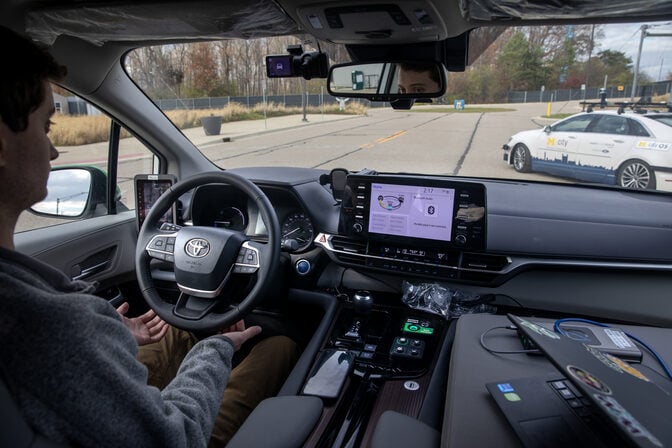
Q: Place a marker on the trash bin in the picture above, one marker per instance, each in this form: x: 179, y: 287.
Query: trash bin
x: 212, y: 125
x: 459, y: 104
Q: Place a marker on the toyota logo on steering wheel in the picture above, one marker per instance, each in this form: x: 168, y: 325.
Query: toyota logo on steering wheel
x: 197, y: 247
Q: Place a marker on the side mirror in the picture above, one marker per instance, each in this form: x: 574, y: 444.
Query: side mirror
x: 73, y: 192
x: 547, y: 129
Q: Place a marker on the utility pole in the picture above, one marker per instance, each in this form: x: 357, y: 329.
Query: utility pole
x: 304, y: 100
x: 639, y: 56
x: 590, y: 54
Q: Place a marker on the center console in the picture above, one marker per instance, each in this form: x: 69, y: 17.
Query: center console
x: 378, y: 357
x: 381, y: 356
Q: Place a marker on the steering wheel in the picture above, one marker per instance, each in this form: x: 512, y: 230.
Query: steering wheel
x: 206, y: 259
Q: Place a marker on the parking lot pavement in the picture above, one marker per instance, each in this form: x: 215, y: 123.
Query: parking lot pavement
x: 239, y: 129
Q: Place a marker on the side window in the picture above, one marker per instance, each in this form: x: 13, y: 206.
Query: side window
x: 81, y: 134
x: 637, y: 128
x: 611, y: 124
x: 574, y: 124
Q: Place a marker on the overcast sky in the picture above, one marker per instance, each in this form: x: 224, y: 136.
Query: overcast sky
x: 655, y: 50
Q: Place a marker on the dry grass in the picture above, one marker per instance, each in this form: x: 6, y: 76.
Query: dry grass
x: 661, y: 98
x: 73, y: 130
x: 70, y: 130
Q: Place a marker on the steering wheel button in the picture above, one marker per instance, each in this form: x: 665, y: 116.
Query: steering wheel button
x: 171, y: 240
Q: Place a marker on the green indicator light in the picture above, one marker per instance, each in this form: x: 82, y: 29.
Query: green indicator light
x: 415, y: 328
x: 512, y: 396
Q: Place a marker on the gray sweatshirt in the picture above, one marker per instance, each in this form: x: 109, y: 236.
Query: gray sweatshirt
x: 70, y: 363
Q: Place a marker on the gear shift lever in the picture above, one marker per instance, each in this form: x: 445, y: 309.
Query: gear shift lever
x: 363, y: 302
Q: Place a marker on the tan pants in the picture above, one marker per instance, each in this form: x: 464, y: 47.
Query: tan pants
x: 258, y: 376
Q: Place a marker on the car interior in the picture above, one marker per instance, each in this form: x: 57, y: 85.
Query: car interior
x: 400, y: 329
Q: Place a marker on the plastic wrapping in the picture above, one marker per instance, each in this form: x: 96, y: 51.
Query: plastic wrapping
x: 558, y: 9
x: 438, y: 299
x: 129, y: 22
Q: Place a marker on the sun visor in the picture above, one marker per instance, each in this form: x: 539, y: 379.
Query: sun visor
x: 456, y: 53
x: 129, y: 22
x: 531, y: 10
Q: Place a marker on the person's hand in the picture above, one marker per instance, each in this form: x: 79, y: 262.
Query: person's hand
x: 239, y: 334
x: 147, y: 328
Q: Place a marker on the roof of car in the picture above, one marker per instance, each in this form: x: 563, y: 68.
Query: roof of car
x: 132, y: 22
x: 630, y: 112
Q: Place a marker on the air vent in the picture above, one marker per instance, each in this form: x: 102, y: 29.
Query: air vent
x: 484, y: 262
x: 348, y: 245
x: 349, y: 251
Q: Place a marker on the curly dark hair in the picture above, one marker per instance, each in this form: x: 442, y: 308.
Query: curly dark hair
x: 21, y: 78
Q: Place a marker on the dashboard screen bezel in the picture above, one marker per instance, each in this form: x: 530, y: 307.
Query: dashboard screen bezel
x: 464, y: 235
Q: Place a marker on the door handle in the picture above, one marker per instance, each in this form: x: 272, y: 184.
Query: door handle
x: 92, y: 270
x: 619, y: 141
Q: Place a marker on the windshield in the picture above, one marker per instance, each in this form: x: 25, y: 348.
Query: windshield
x: 494, y: 120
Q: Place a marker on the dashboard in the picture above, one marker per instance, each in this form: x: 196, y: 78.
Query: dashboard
x: 514, y: 238
x: 482, y: 231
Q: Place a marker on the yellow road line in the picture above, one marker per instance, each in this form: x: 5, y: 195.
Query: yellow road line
x: 391, y: 137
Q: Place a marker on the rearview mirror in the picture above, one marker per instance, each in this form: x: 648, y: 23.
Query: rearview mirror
x: 387, y: 81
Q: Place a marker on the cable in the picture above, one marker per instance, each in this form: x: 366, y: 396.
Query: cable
x: 503, y: 352
x: 558, y: 329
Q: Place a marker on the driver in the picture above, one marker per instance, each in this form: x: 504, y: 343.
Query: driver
x: 419, y: 78
x: 68, y: 357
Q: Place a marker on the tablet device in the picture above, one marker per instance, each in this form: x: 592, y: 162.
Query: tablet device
x: 148, y: 189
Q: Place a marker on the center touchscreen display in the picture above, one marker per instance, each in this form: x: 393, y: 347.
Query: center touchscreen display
x: 408, y: 213
x: 411, y: 211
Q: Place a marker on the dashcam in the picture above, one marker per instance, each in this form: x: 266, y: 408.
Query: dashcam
x: 279, y: 66
x: 312, y: 64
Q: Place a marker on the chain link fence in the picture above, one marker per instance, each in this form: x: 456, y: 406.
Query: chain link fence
x: 593, y: 93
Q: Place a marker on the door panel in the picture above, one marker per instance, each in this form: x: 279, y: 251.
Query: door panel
x: 102, y: 248
x: 560, y: 146
x: 603, y: 147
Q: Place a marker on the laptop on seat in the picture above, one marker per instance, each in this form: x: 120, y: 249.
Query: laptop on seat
x: 596, y: 399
